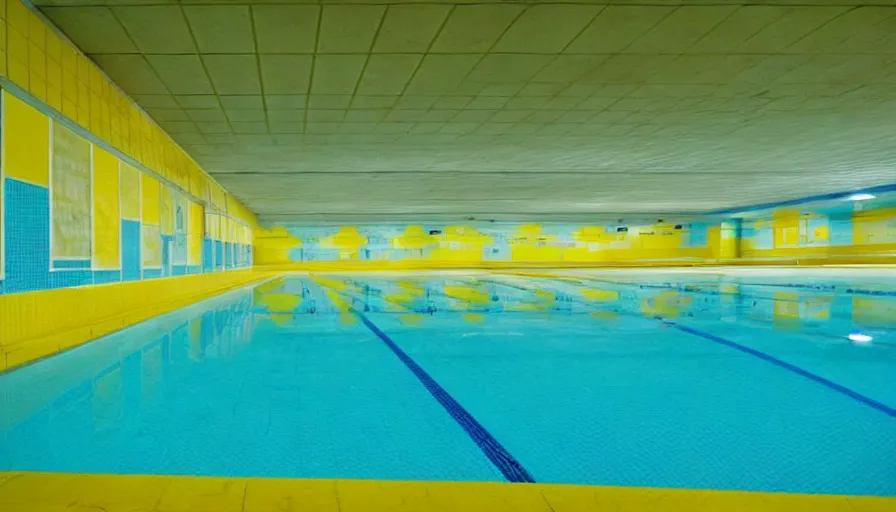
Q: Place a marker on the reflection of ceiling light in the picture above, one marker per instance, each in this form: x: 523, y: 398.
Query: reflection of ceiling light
x: 860, y: 338
x: 861, y: 197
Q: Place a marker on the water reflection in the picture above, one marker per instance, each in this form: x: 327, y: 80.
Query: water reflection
x: 98, y: 391
x: 102, y: 392
x: 780, y: 306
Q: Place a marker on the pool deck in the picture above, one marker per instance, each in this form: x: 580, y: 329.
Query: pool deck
x: 58, y: 492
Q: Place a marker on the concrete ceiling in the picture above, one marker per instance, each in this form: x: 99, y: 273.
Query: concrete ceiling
x: 509, y: 110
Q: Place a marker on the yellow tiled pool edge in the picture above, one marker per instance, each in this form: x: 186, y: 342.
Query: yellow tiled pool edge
x: 50, y: 321
x: 50, y: 492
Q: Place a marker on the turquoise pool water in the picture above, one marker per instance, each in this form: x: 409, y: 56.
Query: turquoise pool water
x: 706, y: 380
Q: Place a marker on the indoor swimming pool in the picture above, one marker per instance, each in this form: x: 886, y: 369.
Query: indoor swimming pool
x: 750, y: 380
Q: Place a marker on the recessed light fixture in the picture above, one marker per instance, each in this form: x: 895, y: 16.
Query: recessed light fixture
x: 861, y: 197
x: 858, y: 337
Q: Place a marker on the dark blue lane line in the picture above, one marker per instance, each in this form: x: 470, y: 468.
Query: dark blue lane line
x: 509, y: 466
x: 855, y: 395
x: 506, y: 463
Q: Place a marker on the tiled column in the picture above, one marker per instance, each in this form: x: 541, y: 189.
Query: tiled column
x: 729, y: 247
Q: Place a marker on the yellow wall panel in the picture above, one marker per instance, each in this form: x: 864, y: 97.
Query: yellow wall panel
x: 211, y: 226
x: 198, y: 180
x: 70, y: 191
x: 106, y: 208
x: 27, y: 146
x: 229, y: 230
x: 231, y: 205
x: 195, y: 230
x: 39, y: 60
x: 130, y: 192
x: 149, y: 188
x: 218, y: 197
x: 166, y: 211
x: 151, y: 252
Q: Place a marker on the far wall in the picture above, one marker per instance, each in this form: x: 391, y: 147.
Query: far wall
x: 781, y: 235
x: 487, y: 242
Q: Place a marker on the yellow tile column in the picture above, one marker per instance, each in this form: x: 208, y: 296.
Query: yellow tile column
x: 729, y: 240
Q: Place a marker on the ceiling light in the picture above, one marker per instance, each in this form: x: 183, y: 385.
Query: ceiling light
x: 860, y: 338
x: 861, y: 197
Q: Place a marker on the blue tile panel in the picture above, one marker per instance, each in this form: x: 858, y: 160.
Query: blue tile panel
x: 26, y: 242
x: 27, y: 236
x: 130, y: 250
x: 207, y: 254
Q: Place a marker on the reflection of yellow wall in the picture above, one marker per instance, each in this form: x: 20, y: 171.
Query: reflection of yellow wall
x: 411, y: 319
x: 874, y: 311
x: 600, y: 295
x: 666, y: 304
x: 280, y: 302
x: 280, y: 305
x: 786, y: 309
x: 194, y: 338
x: 819, y: 308
x: 408, y: 293
x: 467, y: 294
x: 474, y: 318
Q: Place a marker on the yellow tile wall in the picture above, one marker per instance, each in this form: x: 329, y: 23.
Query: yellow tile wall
x: 27, y: 147
x: 130, y: 192
x: 35, y: 58
x: 195, y: 233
